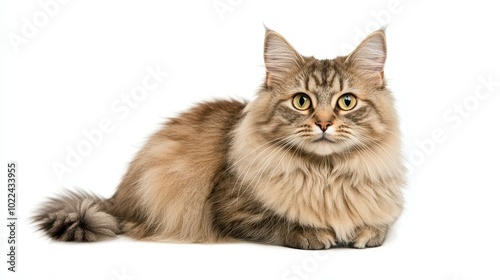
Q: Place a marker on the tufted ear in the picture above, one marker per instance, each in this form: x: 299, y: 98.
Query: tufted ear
x: 369, y: 57
x: 280, y: 58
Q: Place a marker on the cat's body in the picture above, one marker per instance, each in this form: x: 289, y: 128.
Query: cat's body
x: 311, y: 163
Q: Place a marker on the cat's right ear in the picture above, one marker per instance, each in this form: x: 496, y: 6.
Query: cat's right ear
x: 280, y: 58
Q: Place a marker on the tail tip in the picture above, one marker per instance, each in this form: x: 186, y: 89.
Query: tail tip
x: 78, y: 218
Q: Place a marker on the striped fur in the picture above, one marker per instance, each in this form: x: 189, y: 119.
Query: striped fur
x: 263, y: 171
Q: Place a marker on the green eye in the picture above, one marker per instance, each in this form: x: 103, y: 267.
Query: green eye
x: 347, y: 102
x: 301, y: 101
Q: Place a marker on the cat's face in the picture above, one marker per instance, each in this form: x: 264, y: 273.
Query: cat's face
x: 325, y: 106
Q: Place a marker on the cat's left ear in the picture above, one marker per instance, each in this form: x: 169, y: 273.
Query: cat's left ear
x: 280, y: 57
x: 369, y: 57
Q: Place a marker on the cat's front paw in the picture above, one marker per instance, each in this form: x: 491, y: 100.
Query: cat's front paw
x: 311, y: 239
x: 367, y: 237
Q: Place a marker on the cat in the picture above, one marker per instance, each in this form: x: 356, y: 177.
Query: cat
x: 312, y: 162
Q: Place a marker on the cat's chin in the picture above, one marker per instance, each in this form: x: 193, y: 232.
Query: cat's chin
x: 324, y: 148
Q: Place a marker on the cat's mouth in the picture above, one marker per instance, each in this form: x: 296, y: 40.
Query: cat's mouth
x: 323, y: 139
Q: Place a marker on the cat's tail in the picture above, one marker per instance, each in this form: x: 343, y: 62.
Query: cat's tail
x: 77, y: 216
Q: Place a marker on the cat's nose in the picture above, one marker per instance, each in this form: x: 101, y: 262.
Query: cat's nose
x: 323, y: 125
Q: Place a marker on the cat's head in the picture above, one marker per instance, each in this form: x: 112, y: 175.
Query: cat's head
x: 328, y: 106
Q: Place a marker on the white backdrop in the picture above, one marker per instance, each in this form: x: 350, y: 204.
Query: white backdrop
x: 70, y: 68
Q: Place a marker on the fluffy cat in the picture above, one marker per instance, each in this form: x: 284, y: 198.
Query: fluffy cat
x: 313, y: 162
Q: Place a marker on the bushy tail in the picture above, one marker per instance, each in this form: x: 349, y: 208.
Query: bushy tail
x: 77, y: 216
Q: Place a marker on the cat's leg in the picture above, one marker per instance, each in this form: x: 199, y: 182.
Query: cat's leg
x: 246, y: 219
x: 310, y: 238
x: 274, y: 231
x: 369, y: 236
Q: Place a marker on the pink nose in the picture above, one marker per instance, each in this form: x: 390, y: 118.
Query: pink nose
x: 323, y: 125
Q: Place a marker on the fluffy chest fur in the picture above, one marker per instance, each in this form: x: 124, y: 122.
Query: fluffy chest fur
x: 343, y: 192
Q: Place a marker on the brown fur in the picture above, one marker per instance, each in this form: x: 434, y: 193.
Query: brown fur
x: 228, y: 170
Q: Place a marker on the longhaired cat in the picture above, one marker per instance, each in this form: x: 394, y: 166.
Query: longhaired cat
x: 313, y: 162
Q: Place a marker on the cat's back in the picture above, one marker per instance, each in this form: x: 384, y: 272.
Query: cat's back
x: 197, y: 139
x: 208, y: 123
